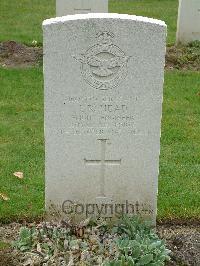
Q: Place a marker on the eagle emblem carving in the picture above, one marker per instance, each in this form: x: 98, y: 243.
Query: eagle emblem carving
x: 103, y: 65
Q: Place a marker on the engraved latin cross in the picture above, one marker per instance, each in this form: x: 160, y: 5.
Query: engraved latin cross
x: 102, y: 163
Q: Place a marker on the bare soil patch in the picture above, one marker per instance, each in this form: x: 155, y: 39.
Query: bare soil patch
x: 17, y: 55
x: 184, y: 57
x: 184, y: 242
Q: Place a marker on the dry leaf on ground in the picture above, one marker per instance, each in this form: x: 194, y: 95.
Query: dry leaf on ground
x: 4, y: 197
x: 19, y: 175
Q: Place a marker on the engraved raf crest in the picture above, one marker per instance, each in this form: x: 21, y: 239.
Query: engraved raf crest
x: 103, y: 65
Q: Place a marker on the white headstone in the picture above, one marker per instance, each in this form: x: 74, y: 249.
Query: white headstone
x: 188, y: 26
x: 103, y: 77
x: 71, y: 7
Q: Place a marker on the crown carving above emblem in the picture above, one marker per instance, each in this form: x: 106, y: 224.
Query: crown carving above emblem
x: 105, y: 37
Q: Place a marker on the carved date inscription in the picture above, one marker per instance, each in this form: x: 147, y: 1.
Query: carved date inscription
x: 90, y: 115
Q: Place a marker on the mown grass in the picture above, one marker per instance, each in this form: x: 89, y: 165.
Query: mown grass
x: 22, y: 145
x: 160, y: 9
x: 21, y: 20
x: 179, y: 183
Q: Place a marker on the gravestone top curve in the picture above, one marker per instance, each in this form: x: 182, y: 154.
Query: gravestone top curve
x: 102, y: 16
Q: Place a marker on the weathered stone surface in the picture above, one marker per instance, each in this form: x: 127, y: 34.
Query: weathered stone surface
x: 71, y: 7
x: 188, y: 25
x: 103, y: 77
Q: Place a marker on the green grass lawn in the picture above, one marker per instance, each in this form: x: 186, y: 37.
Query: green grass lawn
x: 21, y: 20
x: 160, y: 9
x: 179, y: 193
x: 21, y: 142
x: 22, y: 145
